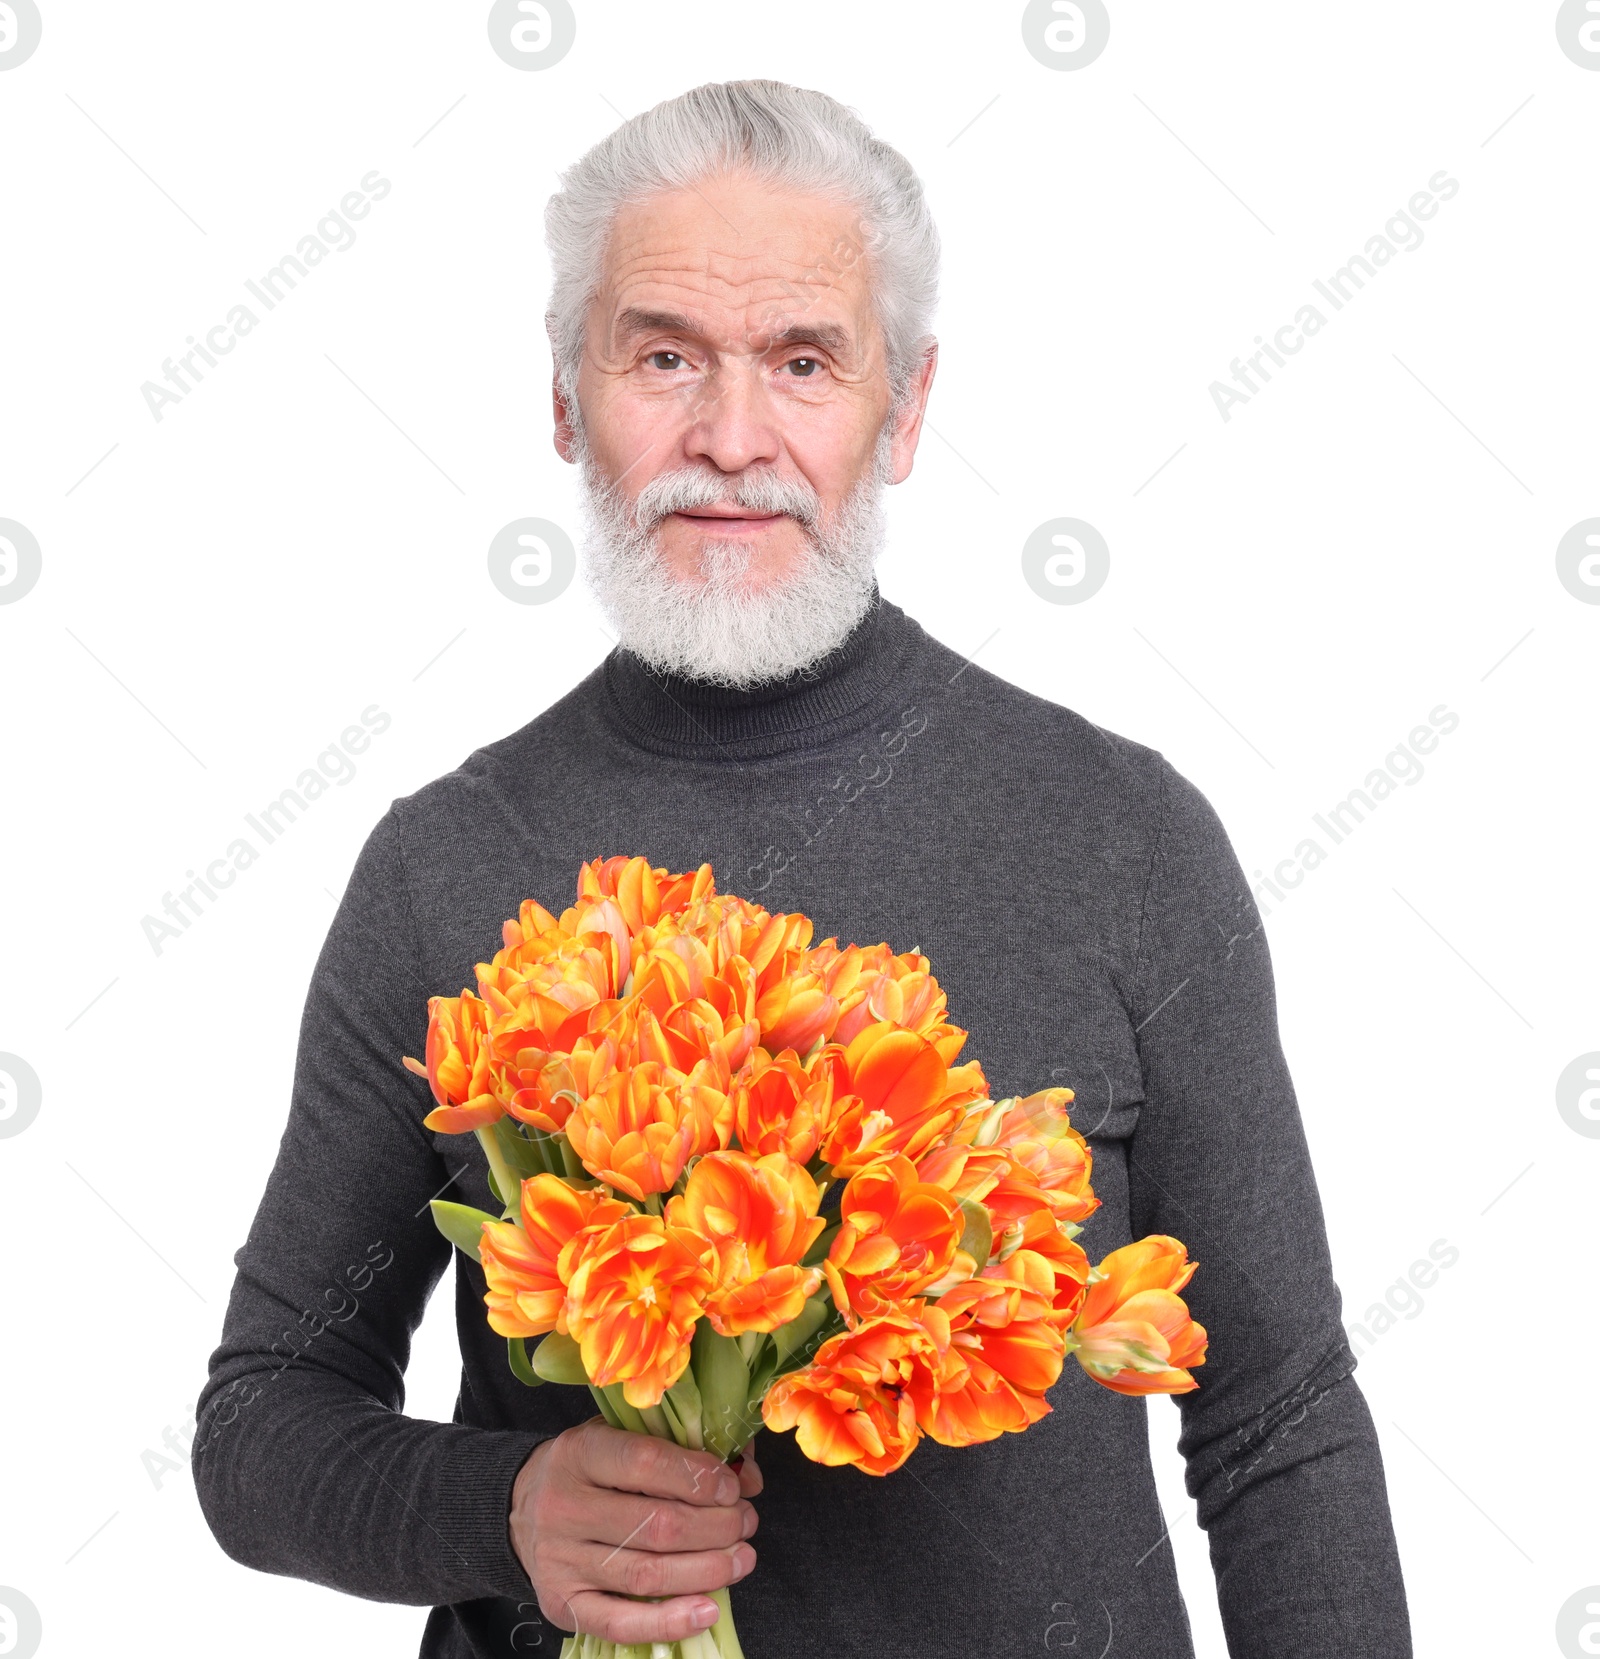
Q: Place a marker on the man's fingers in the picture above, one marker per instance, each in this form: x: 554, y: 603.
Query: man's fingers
x: 644, y: 1573
x: 603, y: 1516
x: 640, y: 1621
x: 641, y: 1463
x: 750, y: 1481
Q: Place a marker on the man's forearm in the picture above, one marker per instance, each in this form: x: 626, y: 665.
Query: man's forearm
x: 300, y: 1472
x: 1298, y: 1518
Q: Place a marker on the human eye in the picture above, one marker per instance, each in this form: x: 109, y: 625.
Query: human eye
x: 668, y: 361
x: 803, y: 368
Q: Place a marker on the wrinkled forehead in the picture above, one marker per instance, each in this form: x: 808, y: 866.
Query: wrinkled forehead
x: 743, y: 263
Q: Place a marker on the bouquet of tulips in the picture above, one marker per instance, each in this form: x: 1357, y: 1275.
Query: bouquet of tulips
x: 745, y: 1180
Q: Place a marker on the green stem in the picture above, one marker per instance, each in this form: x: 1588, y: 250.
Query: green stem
x: 724, y: 1382
x: 607, y: 1410
x: 627, y: 1417
x: 684, y: 1396
x: 721, y: 1641
x: 542, y: 1149
x: 571, y: 1163
x: 723, y: 1632
x: 655, y: 1422
x: 505, y: 1178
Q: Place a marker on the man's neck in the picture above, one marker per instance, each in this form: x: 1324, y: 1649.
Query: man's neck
x: 680, y: 714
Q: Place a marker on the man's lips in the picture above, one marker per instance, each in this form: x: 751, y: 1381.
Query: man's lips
x: 728, y: 513
x: 727, y: 521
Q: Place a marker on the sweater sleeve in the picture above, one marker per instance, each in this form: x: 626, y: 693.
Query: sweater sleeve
x: 302, y: 1459
x: 1280, y: 1451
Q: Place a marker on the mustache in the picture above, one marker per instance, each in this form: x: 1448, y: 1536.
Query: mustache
x: 759, y: 490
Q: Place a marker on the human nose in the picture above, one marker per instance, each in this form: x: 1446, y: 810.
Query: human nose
x: 732, y: 425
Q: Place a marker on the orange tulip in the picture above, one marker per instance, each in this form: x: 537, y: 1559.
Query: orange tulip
x: 732, y: 927
x: 905, y: 1098
x: 600, y: 925
x: 457, y: 1067
x: 635, y: 1030
x: 1134, y: 1333
x: 873, y: 984
x: 677, y: 893
x: 854, y: 1402
x: 643, y: 893
x: 641, y: 1127
x: 631, y: 882
x: 552, y: 1000
x: 1037, y: 1134
x: 540, y: 1087
x: 990, y: 1382
x: 774, y: 945
x: 1006, y: 1349
x: 533, y: 935
x: 1023, y: 1287
x: 527, y: 1267
x: 966, y: 1171
x: 695, y: 1030
x: 761, y: 1214
x: 637, y: 1289
x: 781, y: 1107
x: 796, y: 1013
x: 732, y: 990
x: 897, y: 1235
x: 669, y: 966
x: 1044, y: 1241
x: 1012, y: 1181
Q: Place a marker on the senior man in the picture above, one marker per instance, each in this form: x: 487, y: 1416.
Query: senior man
x: 743, y: 282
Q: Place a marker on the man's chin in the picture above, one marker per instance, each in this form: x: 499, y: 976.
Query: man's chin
x: 745, y: 565
x: 725, y: 631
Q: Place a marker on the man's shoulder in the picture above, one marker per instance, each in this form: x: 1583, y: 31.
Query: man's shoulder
x: 549, y: 752
x: 1014, y: 728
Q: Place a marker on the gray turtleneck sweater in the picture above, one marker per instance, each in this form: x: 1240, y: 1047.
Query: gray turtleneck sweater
x: 1090, y: 923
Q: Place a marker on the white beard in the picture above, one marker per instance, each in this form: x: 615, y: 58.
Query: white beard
x: 714, y: 628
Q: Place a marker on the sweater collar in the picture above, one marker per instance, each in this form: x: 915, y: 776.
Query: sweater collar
x: 840, y: 692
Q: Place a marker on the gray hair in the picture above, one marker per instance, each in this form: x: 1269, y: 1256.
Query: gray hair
x: 785, y: 135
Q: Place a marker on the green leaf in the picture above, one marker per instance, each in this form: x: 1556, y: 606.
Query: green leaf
x: 789, y: 1339
x: 517, y: 1350
x: 761, y: 1378
x: 460, y: 1223
x: 724, y: 1382
x: 558, y: 1359
x: 685, y: 1398
x: 978, y: 1239
x: 518, y: 1151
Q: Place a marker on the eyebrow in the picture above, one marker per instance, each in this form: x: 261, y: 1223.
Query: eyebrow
x: 635, y: 320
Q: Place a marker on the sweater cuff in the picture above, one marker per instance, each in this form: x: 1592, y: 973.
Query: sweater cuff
x: 474, y: 1507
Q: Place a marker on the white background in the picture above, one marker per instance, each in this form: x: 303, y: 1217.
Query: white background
x: 305, y: 534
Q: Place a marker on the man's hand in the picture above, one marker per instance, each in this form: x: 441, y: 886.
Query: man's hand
x: 598, y: 1515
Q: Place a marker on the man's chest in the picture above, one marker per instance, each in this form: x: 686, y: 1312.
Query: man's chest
x: 1026, y: 909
